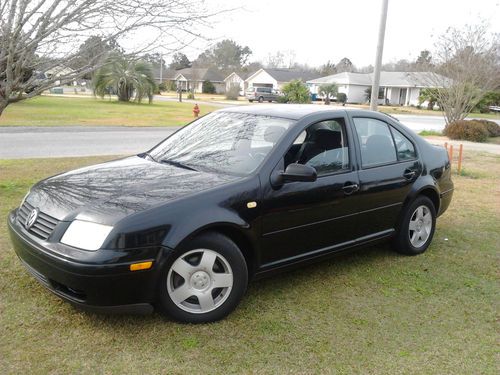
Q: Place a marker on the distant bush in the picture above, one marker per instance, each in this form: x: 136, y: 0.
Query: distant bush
x: 341, y: 98
x: 190, y: 95
x: 467, y: 130
x: 170, y: 86
x: 297, y: 92
x: 207, y: 87
x: 492, y: 127
x: 162, y: 87
x: 282, y: 99
x: 233, y: 92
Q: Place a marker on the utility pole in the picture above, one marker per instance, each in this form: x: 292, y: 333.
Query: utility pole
x: 378, y: 59
x: 161, y: 68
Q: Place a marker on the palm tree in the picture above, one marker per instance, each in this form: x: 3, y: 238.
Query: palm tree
x: 328, y: 91
x: 126, y: 78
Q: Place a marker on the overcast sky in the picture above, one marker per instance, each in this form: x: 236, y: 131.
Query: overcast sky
x: 322, y: 30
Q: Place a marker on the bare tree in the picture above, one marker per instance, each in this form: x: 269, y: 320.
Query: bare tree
x: 467, y: 66
x: 281, y: 60
x: 41, y: 35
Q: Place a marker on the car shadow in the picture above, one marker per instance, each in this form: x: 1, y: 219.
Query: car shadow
x: 276, y: 286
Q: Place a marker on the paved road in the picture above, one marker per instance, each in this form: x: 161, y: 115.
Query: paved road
x: 34, y: 142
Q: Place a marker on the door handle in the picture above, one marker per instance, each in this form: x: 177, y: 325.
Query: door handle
x: 409, y: 174
x: 350, y: 188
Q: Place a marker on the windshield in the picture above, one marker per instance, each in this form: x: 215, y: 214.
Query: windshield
x: 232, y: 143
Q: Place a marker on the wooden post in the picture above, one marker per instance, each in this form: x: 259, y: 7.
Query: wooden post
x: 460, y: 158
x: 451, y: 154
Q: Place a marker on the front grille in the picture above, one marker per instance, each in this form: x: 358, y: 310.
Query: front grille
x: 42, y: 227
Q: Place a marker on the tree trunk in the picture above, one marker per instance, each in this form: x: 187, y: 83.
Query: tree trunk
x: 3, y: 104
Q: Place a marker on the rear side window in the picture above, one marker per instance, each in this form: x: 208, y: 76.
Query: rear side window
x: 375, y: 139
x: 404, y: 147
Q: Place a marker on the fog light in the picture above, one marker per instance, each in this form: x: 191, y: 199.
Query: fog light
x: 141, y: 266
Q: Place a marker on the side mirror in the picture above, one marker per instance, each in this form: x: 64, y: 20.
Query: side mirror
x: 299, y: 172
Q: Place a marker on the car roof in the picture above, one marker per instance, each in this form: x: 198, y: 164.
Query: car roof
x: 289, y: 111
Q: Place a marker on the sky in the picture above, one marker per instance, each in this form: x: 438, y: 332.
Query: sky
x: 322, y: 30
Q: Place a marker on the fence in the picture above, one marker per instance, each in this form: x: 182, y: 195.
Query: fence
x: 449, y: 149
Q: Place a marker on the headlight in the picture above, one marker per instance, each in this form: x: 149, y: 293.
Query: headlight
x: 85, y: 235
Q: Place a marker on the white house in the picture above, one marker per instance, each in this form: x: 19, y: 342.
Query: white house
x: 396, y: 88
x: 237, y: 79
x: 191, y: 79
x: 276, y: 78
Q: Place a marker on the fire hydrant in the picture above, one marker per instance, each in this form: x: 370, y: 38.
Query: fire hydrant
x: 196, y: 110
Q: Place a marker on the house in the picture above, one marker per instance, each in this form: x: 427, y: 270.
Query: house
x: 277, y: 78
x: 396, y: 88
x: 191, y: 79
x: 237, y: 79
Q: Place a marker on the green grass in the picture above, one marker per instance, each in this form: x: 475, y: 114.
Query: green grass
x: 61, y: 111
x: 424, y: 133
x: 372, y: 311
x: 493, y: 140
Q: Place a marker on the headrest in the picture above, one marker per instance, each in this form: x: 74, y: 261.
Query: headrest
x: 273, y: 133
x: 379, y: 141
x: 327, y: 139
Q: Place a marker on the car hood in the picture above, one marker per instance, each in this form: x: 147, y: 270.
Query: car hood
x: 110, y: 191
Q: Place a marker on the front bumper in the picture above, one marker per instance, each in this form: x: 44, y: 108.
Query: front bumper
x: 102, y: 283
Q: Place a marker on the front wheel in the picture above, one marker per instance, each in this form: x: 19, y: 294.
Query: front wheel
x: 204, y: 281
x: 417, y: 228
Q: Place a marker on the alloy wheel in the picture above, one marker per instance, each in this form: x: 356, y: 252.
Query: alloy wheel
x: 420, y: 226
x: 199, y: 281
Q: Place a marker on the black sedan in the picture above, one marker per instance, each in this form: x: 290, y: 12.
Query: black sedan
x: 238, y: 194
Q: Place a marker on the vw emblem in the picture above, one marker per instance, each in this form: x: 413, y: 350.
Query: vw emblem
x: 30, y: 220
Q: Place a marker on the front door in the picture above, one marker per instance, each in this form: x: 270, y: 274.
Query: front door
x: 303, y: 218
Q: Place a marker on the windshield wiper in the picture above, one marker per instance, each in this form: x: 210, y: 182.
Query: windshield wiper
x: 177, y: 164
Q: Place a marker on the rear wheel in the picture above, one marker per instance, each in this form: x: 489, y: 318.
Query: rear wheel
x: 417, y: 228
x: 204, y: 281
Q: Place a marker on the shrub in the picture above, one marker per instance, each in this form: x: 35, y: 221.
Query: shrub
x: 297, y: 92
x: 233, y: 92
x: 466, y: 130
x: 162, y: 87
x: 492, y: 127
x: 341, y: 98
x: 190, y: 95
x: 282, y: 99
x: 207, y: 87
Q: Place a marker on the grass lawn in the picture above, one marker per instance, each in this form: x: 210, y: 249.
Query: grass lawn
x: 371, y: 311
x: 60, y: 111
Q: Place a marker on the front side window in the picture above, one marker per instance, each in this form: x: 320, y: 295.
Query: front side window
x: 323, y: 146
x: 232, y: 143
x: 375, y: 140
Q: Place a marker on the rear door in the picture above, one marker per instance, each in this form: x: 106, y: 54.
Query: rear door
x: 301, y: 219
x: 388, y: 168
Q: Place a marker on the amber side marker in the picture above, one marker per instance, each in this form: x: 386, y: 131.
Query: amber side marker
x: 141, y: 266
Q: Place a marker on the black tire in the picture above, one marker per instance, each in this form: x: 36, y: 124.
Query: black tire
x: 227, y: 251
x: 261, y: 99
x: 402, y: 242
x: 250, y: 100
